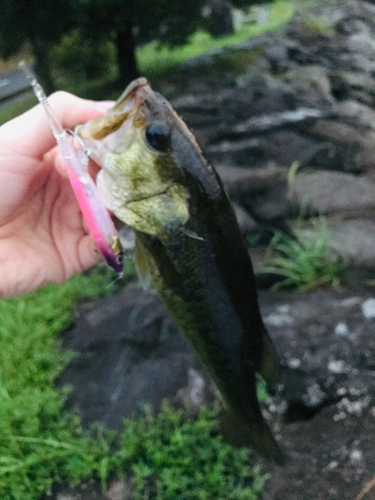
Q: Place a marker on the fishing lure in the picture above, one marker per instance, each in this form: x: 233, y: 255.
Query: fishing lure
x: 93, y: 209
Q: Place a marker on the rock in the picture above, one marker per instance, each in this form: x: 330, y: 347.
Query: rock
x: 267, y: 122
x: 353, y: 85
x: 87, y: 490
x: 281, y: 147
x: 262, y: 192
x: 354, y: 240
x: 326, y: 341
x: 245, y: 221
x: 215, y: 114
x: 334, y: 193
x: 277, y: 54
x: 339, y: 132
x: 245, y: 153
x: 120, y: 490
x: 130, y: 354
x: 312, y: 81
x: 355, y: 113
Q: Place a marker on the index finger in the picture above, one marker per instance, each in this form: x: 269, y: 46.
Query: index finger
x: 30, y: 132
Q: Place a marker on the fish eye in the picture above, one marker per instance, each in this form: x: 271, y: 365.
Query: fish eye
x: 120, y: 258
x: 158, y: 137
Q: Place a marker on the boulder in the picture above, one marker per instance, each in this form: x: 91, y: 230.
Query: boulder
x: 262, y: 192
x: 354, y: 240
x: 129, y: 354
x: 327, y: 344
x: 334, y: 193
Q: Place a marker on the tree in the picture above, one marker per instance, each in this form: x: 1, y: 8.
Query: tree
x: 41, y: 24
x: 131, y: 22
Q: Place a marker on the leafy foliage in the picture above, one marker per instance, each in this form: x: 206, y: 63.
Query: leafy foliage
x: 76, y: 58
x: 40, y: 24
x: 303, y: 260
x: 33, y: 21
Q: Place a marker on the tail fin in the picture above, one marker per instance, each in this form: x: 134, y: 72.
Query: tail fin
x: 257, y: 435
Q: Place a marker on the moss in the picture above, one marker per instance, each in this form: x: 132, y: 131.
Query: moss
x: 181, y: 456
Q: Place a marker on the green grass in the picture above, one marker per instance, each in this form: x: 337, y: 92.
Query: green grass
x: 178, y: 456
x: 303, y: 260
x: 16, y: 109
x: 36, y: 433
x: 175, y: 454
x: 154, y: 60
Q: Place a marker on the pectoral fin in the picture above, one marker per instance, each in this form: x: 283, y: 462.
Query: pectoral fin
x: 256, y: 435
x: 142, y: 267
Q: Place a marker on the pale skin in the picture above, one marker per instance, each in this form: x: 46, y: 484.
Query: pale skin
x: 43, y: 237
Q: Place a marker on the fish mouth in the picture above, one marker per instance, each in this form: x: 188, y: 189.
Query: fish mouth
x: 131, y: 96
x: 113, y: 132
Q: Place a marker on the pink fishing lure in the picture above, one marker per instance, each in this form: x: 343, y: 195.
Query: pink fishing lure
x: 93, y: 209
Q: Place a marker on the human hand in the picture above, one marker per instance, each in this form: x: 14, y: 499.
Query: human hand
x: 43, y: 236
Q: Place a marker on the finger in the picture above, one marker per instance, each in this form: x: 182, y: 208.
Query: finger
x: 89, y: 253
x: 60, y: 165
x: 30, y: 133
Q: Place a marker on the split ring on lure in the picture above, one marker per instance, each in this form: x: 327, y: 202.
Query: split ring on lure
x: 93, y: 209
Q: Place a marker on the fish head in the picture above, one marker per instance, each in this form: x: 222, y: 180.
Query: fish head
x: 142, y: 180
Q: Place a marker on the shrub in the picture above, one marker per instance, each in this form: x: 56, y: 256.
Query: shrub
x: 78, y: 59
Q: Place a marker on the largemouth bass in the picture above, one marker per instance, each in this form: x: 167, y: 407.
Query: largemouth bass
x: 155, y: 179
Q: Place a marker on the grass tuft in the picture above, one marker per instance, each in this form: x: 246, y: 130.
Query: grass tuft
x: 303, y: 260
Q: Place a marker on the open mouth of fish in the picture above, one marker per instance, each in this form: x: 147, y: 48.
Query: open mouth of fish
x: 99, y: 135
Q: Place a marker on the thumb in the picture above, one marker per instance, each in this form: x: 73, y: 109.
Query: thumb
x: 30, y: 132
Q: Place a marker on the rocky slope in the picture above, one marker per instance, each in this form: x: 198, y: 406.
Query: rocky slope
x: 303, y: 94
